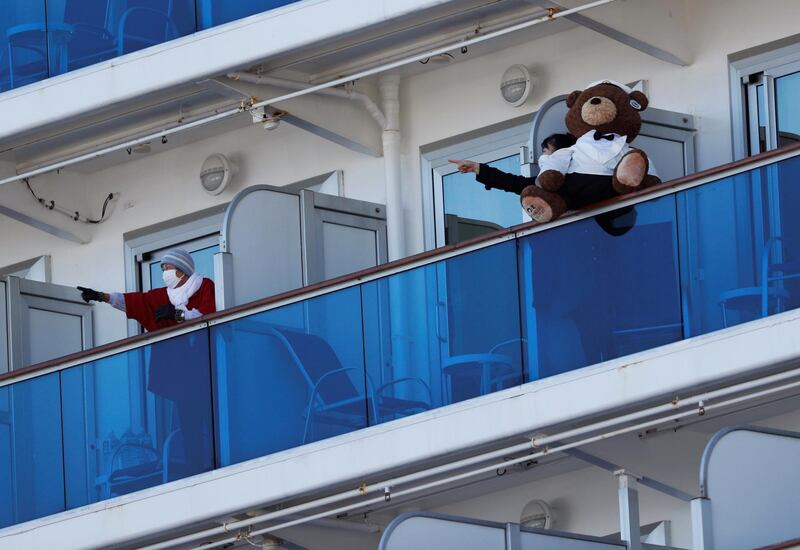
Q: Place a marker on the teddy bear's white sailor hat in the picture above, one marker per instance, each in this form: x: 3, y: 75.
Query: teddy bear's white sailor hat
x: 627, y: 89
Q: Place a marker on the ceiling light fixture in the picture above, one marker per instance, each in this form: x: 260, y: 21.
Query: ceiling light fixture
x: 537, y: 514
x: 216, y: 173
x: 515, y: 86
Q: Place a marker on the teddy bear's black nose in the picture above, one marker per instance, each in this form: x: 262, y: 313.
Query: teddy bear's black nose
x: 595, y: 101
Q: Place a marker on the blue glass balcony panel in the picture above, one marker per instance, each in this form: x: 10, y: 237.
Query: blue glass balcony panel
x: 84, y: 32
x: 443, y: 333
x: 216, y: 12
x: 31, y: 467
x: 601, y: 288
x: 44, y: 38
x: 547, y: 303
x: 23, y: 43
x: 289, y: 376
x: 137, y: 419
x: 740, y: 247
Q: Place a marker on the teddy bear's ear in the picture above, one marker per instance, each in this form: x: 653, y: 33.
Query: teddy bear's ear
x: 573, y: 97
x: 638, y: 100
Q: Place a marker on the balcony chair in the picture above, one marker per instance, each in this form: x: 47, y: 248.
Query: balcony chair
x: 768, y: 293
x: 151, y: 467
x: 74, y: 44
x: 494, y: 369
x: 25, y: 56
x: 333, y: 398
x: 139, y: 26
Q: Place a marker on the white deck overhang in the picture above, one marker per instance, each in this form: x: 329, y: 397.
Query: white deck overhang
x: 663, y: 377
x: 195, y: 57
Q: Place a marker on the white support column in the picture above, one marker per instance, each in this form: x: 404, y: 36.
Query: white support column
x: 629, y: 509
x: 223, y: 278
x: 390, y: 95
x: 701, y: 524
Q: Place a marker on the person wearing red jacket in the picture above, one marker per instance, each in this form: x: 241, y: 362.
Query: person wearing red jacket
x: 178, y: 369
x: 186, y: 295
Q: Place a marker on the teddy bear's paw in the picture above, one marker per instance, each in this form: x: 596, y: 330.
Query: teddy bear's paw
x: 539, y: 210
x: 630, y: 172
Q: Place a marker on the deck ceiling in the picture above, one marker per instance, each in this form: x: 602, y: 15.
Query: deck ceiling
x: 370, y: 47
x: 647, y: 26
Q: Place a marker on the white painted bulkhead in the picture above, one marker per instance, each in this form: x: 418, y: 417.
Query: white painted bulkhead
x: 435, y: 105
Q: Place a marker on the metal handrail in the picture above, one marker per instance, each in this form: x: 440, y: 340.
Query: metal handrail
x: 406, y: 264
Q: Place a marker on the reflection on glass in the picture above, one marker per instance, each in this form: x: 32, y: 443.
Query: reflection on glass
x: 787, y: 92
x: 137, y: 419
x: 31, y: 468
x: 741, y: 248
x: 216, y: 12
x: 23, y: 43
x: 39, y: 38
x: 443, y: 333
x: 470, y: 210
x: 600, y: 288
x: 203, y: 265
x: 289, y: 376
x: 83, y: 32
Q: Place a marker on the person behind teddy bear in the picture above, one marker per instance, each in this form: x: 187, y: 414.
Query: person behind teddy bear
x: 492, y: 178
x: 601, y: 164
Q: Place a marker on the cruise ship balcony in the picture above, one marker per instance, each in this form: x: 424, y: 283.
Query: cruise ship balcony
x: 643, y: 313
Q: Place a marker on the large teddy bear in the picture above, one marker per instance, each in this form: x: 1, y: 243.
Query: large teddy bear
x: 601, y: 164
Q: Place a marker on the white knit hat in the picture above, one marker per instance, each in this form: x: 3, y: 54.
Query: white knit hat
x: 180, y: 259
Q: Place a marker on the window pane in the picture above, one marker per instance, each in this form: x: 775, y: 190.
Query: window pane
x: 600, y: 288
x: 787, y: 92
x: 443, y: 333
x: 23, y: 43
x: 289, y: 376
x: 217, y: 12
x: 741, y: 248
x: 137, y: 419
x: 31, y: 467
x: 470, y: 210
x: 83, y: 32
x: 203, y: 265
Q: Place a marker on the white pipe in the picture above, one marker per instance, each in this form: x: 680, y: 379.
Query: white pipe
x: 354, y: 95
x: 698, y: 401
x: 395, y: 227
x: 504, y: 464
x: 343, y: 80
x: 389, y: 121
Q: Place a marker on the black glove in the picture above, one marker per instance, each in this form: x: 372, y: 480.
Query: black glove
x: 167, y: 311
x: 90, y: 295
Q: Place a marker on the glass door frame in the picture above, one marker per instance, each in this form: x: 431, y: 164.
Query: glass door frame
x: 184, y: 229
x: 484, y: 145
x: 747, y: 71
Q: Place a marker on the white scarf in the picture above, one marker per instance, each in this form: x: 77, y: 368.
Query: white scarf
x: 180, y: 296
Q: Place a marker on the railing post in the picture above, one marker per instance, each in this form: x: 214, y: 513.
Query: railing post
x: 513, y: 537
x: 701, y: 524
x: 628, y: 493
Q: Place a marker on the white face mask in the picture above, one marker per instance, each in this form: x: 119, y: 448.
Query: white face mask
x: 170, y: 277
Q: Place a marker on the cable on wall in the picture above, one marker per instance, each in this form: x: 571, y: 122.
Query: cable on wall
x: 73, y: 215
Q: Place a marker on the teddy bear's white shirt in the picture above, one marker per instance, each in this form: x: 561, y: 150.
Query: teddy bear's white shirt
x: 590, y: 156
